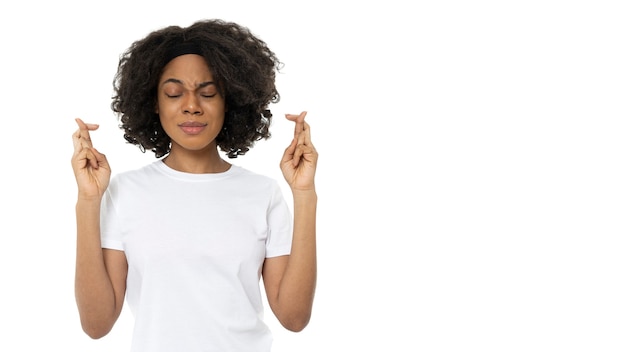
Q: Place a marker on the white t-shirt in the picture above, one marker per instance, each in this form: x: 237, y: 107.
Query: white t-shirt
x: 195, y: 245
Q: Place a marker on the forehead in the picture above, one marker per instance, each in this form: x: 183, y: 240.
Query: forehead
x: 188, y: 67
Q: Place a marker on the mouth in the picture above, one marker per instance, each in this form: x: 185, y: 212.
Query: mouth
x: 192, y: 127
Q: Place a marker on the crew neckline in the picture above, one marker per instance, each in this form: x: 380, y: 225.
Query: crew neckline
x: 187, y: 176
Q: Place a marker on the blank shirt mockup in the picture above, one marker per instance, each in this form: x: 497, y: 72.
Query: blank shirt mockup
x: 195, y: 246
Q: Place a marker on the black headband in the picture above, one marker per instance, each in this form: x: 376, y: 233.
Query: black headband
x: 182, y: 49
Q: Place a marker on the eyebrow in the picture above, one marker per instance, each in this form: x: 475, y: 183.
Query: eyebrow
x: 177, y: 81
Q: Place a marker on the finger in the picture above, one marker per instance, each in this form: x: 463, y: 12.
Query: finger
x: 300, y: 148
x: 304, y: 154
x: 296, y: 118
x: 84, y: 159
x: 304, y: 144
x: 91, y: 158
x: 83, y: 129
x: 79, y: 143
x: 88, y: 157
x: 96, y: 159
x: 297, y: 155
x: 90, y: 126
x: 79, y: 159
x: 306, y: 134
x: 288, y: 153
x: 100, y: 159
x: 76, y: 141
x: 299, y: 120
x: 84, y: 139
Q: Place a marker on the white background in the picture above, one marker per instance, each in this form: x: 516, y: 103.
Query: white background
x: 471, y: 174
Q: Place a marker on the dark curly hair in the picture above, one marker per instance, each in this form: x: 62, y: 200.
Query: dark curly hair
x: 241, y: 63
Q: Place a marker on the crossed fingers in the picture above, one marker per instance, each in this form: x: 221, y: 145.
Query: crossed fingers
x: 82, y: 142
x: 302, y: 138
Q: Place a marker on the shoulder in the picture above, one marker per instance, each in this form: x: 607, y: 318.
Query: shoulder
x: 251, y: 177
x: 140, y: 174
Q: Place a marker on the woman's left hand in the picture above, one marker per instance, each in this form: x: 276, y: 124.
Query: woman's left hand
x: 299, y: 160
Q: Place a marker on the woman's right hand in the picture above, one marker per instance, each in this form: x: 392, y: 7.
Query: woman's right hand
x: 91, y: 168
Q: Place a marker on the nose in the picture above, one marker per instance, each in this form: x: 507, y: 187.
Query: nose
x: 191, y: 105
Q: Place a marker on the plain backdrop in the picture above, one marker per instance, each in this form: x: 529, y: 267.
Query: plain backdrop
x: 471, y: 172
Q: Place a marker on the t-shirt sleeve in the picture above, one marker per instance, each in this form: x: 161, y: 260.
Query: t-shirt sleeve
x: 110, y: 234
x: 280, y: 225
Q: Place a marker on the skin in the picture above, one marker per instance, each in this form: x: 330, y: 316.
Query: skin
x: 187, y: 94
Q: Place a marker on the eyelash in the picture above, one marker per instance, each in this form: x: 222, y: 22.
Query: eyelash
x: 202, y: 95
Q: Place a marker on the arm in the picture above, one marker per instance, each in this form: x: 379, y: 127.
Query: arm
x: 100, y: 278
x: 290, y: 280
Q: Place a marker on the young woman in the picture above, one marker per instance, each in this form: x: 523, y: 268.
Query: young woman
x: 186, y: 239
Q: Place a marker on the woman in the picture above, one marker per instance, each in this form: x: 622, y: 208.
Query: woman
x: 186, y: 239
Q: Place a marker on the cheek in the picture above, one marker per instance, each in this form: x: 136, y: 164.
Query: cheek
x: 164, y: 108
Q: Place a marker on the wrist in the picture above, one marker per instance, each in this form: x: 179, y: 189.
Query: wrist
x: 88, y: 198
x: 307, y: 195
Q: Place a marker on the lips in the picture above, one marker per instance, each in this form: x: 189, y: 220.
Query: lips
x: 192, y: 127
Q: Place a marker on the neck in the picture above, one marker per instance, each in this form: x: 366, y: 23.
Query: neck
x: 196, y: 162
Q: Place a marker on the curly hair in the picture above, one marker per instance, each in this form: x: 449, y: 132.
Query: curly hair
x: 241, y: 63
